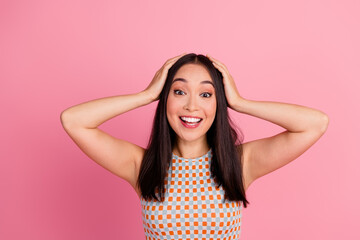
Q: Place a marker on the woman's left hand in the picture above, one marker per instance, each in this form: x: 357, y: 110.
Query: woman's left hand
x: 231, y: 92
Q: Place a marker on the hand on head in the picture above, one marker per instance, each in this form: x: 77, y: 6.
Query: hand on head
x: 156, y: 85
x: 231, y: 92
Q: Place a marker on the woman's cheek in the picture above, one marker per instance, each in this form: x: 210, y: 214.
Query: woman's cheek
x: 211, y: 108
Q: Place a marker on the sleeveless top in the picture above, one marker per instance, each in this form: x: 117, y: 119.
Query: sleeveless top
x: 194, y: 207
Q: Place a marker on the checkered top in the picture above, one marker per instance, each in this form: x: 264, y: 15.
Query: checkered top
x: 193, y: 207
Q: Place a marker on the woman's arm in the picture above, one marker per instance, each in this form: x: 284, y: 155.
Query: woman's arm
x: 116, y: 155
x: 294, y: 118
x: 304, y: 127
x: 93, y: 113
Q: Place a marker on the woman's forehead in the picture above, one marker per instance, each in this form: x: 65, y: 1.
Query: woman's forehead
x: 192, y: 73
x: 185, y: 81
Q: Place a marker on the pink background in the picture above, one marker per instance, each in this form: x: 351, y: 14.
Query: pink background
x: 55, y: 54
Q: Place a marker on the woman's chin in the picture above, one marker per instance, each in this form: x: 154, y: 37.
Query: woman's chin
x: 190, y: 139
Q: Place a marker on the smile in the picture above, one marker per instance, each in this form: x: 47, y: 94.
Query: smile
x: 190, y: 122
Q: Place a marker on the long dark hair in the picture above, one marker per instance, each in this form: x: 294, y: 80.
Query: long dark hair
x: 222, y: 138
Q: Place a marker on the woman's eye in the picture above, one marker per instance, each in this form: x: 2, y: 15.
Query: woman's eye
x: 178, y: 92
x: 207, y: 95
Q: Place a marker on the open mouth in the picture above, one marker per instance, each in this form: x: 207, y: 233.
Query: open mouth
x: 191, y: 121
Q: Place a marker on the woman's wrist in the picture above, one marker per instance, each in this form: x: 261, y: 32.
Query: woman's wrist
x: 149, y: 98
x: 239, y: 104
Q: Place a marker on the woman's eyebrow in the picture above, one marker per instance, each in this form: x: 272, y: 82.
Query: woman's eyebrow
x: 184, y: 80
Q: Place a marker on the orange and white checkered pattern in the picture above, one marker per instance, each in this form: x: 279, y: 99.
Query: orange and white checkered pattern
x: 194, y: 208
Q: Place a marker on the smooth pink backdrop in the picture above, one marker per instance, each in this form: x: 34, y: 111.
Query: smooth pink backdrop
x: 55, y: 54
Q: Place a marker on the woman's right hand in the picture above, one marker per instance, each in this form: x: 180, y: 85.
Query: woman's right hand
x: 156, y: 85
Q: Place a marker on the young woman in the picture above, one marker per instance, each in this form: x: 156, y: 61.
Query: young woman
x: 192, y: 177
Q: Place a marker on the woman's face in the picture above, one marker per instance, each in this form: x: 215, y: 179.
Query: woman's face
x: 191, y: 104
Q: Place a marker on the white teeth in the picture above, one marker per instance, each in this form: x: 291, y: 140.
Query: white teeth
x: 192, y: 120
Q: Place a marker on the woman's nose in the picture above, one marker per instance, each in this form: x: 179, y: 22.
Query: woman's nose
x: 191, y: 103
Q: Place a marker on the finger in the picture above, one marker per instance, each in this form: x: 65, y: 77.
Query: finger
x: 172, y: 61
x: 213, y: 59
x: 222, y: 68
x: 220, y: 64
x: 181, y: 55
x: 177, y: 57
x: 217, y: 61
x: 219, y: 67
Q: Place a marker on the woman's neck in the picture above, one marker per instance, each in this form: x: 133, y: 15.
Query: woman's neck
x: 190, y: 149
